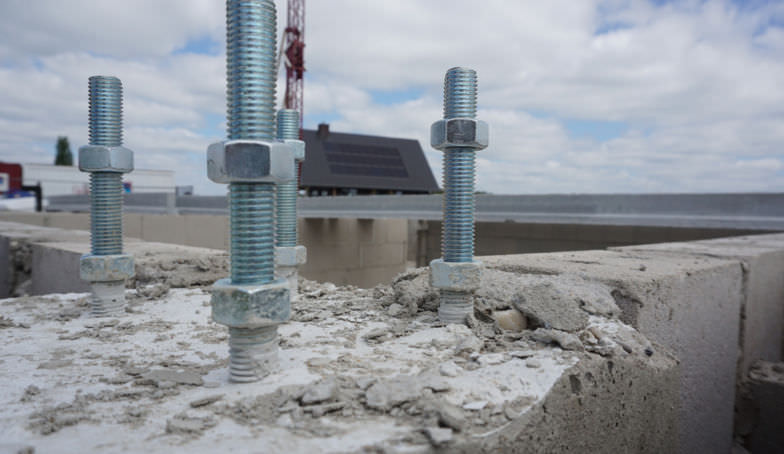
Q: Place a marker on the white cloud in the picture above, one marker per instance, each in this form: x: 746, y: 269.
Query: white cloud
x: 696, y: 85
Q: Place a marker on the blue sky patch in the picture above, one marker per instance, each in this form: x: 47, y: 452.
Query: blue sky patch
x: 601, y: 131
x: 390, y: 97
x: 203, y: 45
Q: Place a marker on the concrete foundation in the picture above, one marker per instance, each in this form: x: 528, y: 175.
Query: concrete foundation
x: 691, y: 304
x: 353, y: 378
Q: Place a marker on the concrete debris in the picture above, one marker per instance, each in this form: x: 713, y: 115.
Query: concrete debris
x: 450, y: 416
x: 364, y: 383
x: 349, y: 370
x: 438, y: 436
x: 551, y: 306
x: 510, y: 320
x: 206, y: 400
x: 320, y: 392
x: 30, y: 392
x: 388, y: 393
x: 16, y: 448
x: 475, y: 405
x: 567, y: 341
x: 182, y: 424
x: 449, y: 369
x: 159, y: 377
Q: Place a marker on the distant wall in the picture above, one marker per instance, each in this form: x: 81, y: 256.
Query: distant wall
x: 361, y: 252
x: 499, y: 238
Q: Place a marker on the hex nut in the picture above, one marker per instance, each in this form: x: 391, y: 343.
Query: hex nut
x: 250, y: 161
x: 297, y: 147
x: 291, y: 256
x: 98, y: 158
x: 459, y: 133
x: 456, y: 276
x: 106, y: 268
x: 250, y: 306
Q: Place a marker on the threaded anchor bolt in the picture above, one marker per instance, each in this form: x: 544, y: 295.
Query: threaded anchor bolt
x: 106, y: 160
x: 288, y: 255
x: 459, y: 135
x: 250, y: 67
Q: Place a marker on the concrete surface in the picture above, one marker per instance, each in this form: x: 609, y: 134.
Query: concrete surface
x: 762, y: 312
x: 361, y: 252
x: 691, y: 304
x: 353, y: 378
x: 523, y: 237
x: 766, y: 391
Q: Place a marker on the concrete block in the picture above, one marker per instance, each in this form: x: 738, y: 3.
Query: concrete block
x: 366, y: 381
x: 206, y: 231
x: 164, y: 228
x: 38, y: 219
x: 374, y: 255
x: 370, y: 277
x: 132, y: 225
x: 392, y: 230
x: 690, y: 304
x: 766, y: 388
x: 70, y: 221
x: 6, y: 267
x: 56, y: 268
x: 762, y: 328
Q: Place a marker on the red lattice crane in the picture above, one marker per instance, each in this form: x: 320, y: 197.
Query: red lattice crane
x: 293, y: 52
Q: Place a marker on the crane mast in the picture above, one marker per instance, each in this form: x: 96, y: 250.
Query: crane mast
x: 294, y: 52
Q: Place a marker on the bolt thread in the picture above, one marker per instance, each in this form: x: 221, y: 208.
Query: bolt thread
x: 286, y: 196
x: 250, y: 68
x: 252, y: 232
x: 253, y: 353
x: 106, y: 213
x: 288, y: 124
x: 460, y: 93
x: 105, y: 118
x: 107, y: 299
x: 455, y: 306
x: 457, y: 235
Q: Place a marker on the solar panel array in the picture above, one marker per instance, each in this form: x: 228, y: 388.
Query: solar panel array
x: 364, y: 160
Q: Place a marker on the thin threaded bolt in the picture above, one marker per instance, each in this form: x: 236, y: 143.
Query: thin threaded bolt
x: 457, y: 236
x: 286, y: 204
x: 250, y: 71
x: 105, y: 129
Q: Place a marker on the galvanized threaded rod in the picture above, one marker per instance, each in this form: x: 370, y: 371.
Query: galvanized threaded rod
x: 286, y: 205
x: 457, y: 237
x: 250, y: 62
x: 105, y: 129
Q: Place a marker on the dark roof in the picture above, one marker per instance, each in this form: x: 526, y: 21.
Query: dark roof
x: 340, y: 160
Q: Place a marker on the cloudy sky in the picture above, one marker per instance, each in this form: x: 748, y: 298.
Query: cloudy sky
x: 581, y: 96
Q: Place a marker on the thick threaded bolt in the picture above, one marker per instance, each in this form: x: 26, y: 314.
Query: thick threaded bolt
x: 105, y: 129
x: 250, y: 66
x: 458, y: 219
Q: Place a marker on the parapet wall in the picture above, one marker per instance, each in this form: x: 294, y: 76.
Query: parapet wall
x: 360, y: 252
